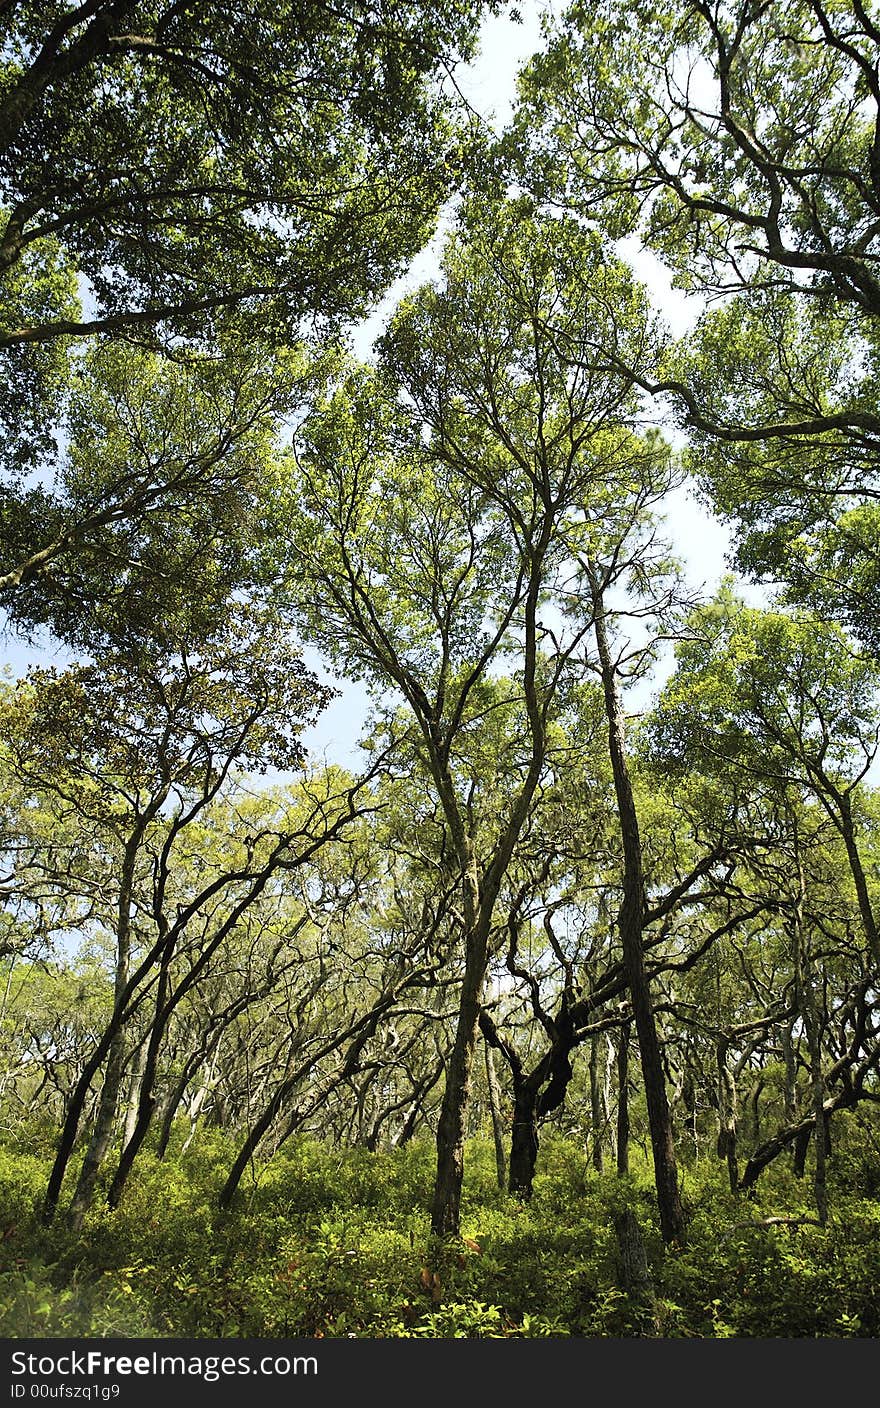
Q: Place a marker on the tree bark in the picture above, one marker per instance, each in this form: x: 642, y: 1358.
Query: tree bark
x: 451, y: 1126
x: 102, y: 1133
x: 133, y: 1095
x: 631, y: 928
x: 633, y: 1272
x: 108, y: 1102
x: 596, y: 1113
x: 495, y: 1113
x: 727, y: 1114
x: 523, y: 1140
x: 622, y: 1139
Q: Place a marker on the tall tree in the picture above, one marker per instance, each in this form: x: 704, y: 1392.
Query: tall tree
x: 435, y: 536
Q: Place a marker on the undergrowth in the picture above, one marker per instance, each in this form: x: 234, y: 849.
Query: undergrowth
x: 332, y: 1243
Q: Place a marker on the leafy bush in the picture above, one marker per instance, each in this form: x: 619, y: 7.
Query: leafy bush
x: 335, y: 1243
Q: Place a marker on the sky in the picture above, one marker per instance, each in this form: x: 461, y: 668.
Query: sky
x: 489, y: 85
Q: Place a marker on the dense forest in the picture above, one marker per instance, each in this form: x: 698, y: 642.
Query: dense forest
x: 551, y: 1007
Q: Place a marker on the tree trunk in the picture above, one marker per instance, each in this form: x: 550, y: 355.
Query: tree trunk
x: 108, y: 1103
x: 633, y: 1272
x: 623, y: 1102
x: 807, y: 1003
x: 110, y: 1046
x: 789, y: 1094
x: 171, y: 1104
x: 596, y: 1114
x: 523, y: 1139
x: 495, y: 1112
x: 147, y: 1100
x: 754, y: 1104
x: 820, y: 1143
x: 134, y: 1089
x: 102, y: 1133
x: 451, y: 1126
x: 845, y: 1099
x: 534, y: 1097
x: 630, y: 925
x: 727, y: 1115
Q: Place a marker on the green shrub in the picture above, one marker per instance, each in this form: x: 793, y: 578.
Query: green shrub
x: 336, y: 1243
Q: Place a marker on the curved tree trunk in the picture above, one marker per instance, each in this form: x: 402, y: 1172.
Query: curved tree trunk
x: 108, y: 1104
x: 147, y: 1100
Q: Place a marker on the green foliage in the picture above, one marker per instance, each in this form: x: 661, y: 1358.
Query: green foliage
x: 474, y: 1320
x: 33, y: 1305
x: 739, y: 1276
x: 782, y: 696
x: 335, y: 1243
x: 273, y: 156
x: 739, y: 144
x: 214, y: 185
x: 40, y: 287
x: 150, y: 518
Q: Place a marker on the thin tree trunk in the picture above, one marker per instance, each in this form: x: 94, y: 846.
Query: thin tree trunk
x: 869, y: 922
x: 359, y: 1032
x: 807, y: 1003
x: 102, y: 1133
x: 622, y: 1140
x: 596, y: 1119
x: 105, y: 1119
x: 495, y: 1112
x: 109, y: 1045
x: 801, y: 1145
x: 755, y: 1109
x: 172, y: 1103
x: 727, y: 1114
x: 789, y: 1093
x: 147, y: 1101
x: 451, y: 1126
x: 630, y: 925
x: 134, y: 1089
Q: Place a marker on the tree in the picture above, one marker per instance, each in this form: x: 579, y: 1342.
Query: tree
x: 438, y: 540
x: 786, y: 702
x: 52, y: 1013
x: 137, y: 794
x: 741, y: 143
x: 149, y: 524
x: 786, y: 698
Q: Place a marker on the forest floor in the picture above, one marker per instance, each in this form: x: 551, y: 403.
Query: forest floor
x: 325, y: 1242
